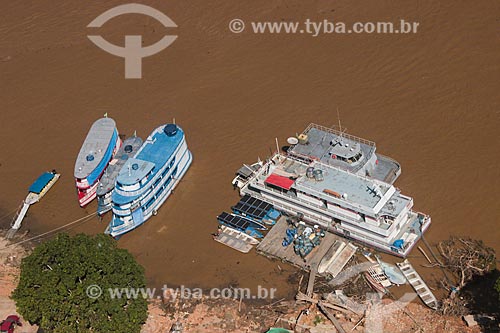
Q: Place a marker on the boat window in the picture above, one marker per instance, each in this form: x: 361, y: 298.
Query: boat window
x: 165, y: 171
x: 157, y: 181
x: 133, y: 187
x: 357, y: 157
x: 160, y: 191
x: 172, y: 162
x: 174, y: 172
x: 168, y: 181
x: 146, y: 206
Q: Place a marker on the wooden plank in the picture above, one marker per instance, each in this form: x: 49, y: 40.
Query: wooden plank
x: 334, y: 321
x: 310, y: 283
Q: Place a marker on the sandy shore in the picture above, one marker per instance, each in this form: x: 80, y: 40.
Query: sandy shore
x: 10, y: 260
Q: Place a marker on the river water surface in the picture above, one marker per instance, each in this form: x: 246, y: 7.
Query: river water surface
x: 430, y: 100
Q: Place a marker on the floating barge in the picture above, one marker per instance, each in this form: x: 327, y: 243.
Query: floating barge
x: 337, y: 181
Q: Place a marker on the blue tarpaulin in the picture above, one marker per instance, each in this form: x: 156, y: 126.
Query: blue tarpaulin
x: 399, y: 243
x: 41, y: 182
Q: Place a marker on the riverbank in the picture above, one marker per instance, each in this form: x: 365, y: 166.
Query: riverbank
x: 225, y: 315
x: 10, y: 270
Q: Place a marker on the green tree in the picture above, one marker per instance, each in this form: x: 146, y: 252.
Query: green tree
x: 58, y: 277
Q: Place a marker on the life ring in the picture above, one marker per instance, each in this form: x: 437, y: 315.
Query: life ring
x: 334, y: 156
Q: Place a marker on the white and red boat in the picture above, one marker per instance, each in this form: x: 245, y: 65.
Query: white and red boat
x: 97, y: 150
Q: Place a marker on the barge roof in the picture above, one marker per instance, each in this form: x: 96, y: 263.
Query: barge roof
x: 344, y: 188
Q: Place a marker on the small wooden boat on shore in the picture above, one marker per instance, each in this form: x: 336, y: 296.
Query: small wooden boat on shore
x: 377, y: 279
x: 418, y: 284
x: 392, y: 273
x: 375, y: 276
x: 330, y: 256
x: 335, y: 259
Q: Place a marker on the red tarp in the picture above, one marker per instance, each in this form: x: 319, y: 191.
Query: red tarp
x: 280, y: 181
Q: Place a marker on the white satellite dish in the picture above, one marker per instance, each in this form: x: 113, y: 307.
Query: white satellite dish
x: 292, y: 140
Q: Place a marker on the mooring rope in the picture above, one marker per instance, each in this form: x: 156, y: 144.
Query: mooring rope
x: 82, y: 219
x: 13, y: 212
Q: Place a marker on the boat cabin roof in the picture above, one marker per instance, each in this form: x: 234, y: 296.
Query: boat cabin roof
x: 94, y: 147
x: 334, y: 147
x: 41, y: 182
x: 344, y: 188
x: 128, y: 149
x: 134, y: 171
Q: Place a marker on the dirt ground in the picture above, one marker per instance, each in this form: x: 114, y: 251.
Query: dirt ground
x: 10, y: 260
x: 217, y: 316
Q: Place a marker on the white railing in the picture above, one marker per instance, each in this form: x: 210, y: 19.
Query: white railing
x: 338, y: 133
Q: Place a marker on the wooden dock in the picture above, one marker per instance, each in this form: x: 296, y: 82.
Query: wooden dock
x: 271, y: 247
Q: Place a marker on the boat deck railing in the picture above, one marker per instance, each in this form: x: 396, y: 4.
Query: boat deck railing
x: 339, y: 133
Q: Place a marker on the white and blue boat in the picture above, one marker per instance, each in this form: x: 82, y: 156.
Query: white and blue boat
x: 36, y: 191
x: 147, y: 179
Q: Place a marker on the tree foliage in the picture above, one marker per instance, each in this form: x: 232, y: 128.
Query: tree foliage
x: 52, y: 290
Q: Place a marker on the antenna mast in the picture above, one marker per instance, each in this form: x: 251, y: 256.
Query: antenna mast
x: 340, y: 126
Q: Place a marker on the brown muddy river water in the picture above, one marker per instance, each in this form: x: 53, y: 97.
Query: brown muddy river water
x: 429, y: 99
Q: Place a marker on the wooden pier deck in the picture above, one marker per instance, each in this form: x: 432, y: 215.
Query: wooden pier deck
x: 271, y: 247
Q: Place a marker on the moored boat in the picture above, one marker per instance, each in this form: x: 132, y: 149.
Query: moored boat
x: 239, y: 235
x: 257, y: 210
x: 338, y: 182
x: 423, y: 291
x: 35, y: 192
x: 392, y: 272
x: 107, y: 182
x: 100, y: 145
x: 242, y: 224
x: 147, y: 180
